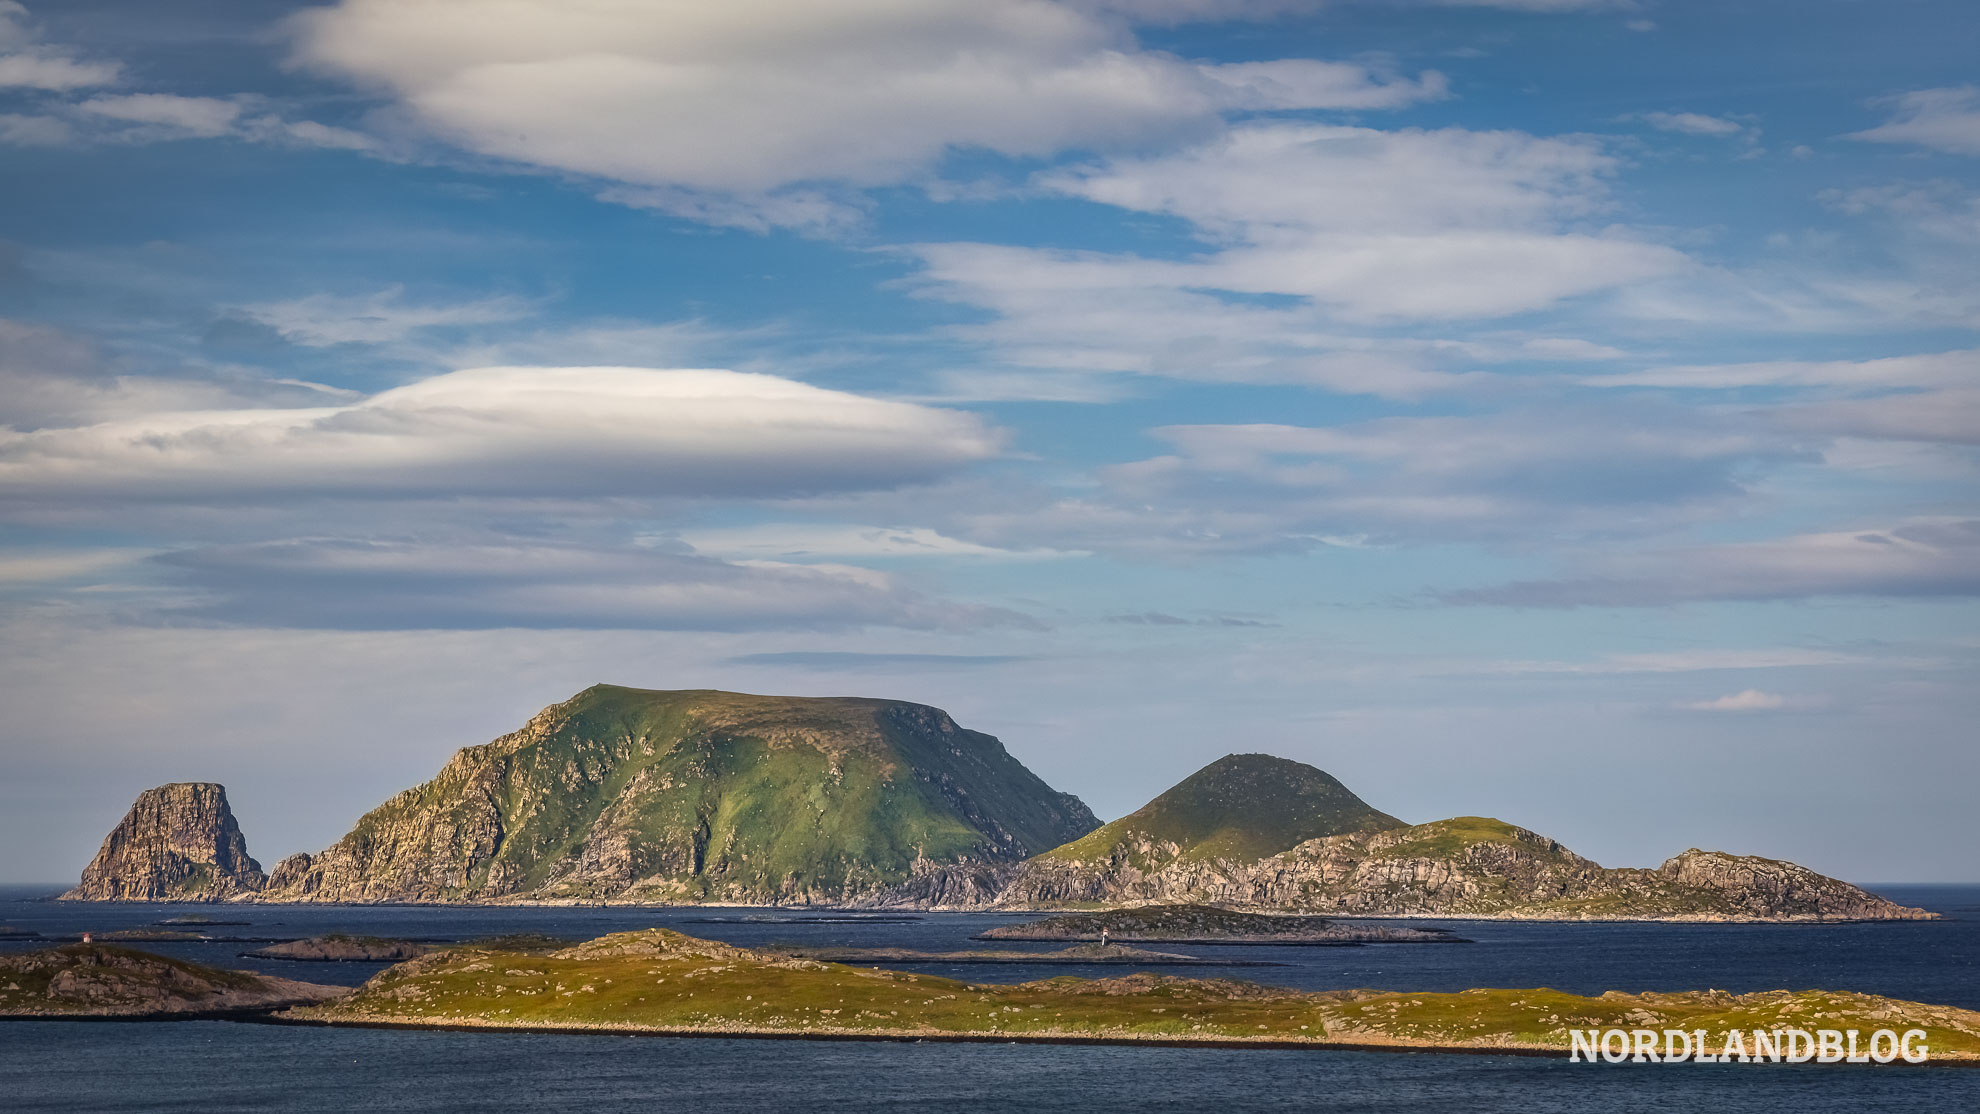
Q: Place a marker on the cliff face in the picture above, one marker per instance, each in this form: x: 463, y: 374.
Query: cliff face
x: 1463, y: 867
x: 638, y: 795
x: 179, y: 842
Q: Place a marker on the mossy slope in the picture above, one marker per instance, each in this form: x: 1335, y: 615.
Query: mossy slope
x: 1242, y: 806
x: 634, y: 794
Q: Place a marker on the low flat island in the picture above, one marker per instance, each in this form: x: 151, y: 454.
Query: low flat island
x: 664, y: 983
x: 661, y: 983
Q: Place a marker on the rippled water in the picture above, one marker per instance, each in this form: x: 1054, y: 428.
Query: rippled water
x: 221, y: 1066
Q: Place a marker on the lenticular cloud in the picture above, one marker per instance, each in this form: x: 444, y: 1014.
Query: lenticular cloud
x: 513, y: 431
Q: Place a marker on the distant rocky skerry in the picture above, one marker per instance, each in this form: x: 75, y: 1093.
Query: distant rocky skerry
x: 110, y: 981
x: 632, y: 796
x: 1106, y: 955
x: 1206, y: 925
x: 339, y: 948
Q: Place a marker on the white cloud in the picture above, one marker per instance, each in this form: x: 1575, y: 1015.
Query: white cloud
x: 1308, y: 83
x: 1945, y: 416
x: 1923, y: 397
x: 307, y: 133
x: 53, y: 72
x: 804, y: 541
x: 1361, y: 223
x: 1746, y: 700
x: 1685, y: 661
x: 1070, y: 314
x: 32, y: 566
x: 34, y: 131
x: 1311, y: 233
x: 322, y: 320
x: 1691, y: 123
x: 1536, y: 5
x: 748, y: 97
x: 1946, y: 119
x: 26, y: 64
x: 49, y: 378
x: 511, y: 431
x: 197, y: 117
x: 1558, y: 473
x: 1923, y: 370
x: 1925, y: 559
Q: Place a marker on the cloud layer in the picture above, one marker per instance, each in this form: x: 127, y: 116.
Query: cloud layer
x: 336, y: 584
x: 752, y: 96
x: 508, y: 431
x: 1923, y: 559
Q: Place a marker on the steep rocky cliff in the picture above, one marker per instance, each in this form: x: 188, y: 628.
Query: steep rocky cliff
x: 639, y: 795
x: 179, y: 842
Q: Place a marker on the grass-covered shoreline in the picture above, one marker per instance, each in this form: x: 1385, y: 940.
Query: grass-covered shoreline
x: 662, y: 983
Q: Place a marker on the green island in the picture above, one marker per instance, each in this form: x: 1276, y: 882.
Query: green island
x: 661, y: 982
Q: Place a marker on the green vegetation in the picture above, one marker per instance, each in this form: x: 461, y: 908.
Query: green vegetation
x: 703, y: 795
x: 662, y: 981
x: 1445, y: 839
x: 1240, y: 807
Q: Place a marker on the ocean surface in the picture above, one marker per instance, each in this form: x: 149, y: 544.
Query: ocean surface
x: 231, y: 1066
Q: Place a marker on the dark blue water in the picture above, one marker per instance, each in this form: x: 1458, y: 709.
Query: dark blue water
x: 219, y: 1066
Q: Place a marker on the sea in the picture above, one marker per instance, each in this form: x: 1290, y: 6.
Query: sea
x: 224, y: 1066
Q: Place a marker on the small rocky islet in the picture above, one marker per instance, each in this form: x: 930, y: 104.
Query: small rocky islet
x: 1094, y: 954
x: 1208, y: 925
x: 337, y: 947
x: 96, y: 980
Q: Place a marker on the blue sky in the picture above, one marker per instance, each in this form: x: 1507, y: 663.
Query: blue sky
x: 1558, y: 410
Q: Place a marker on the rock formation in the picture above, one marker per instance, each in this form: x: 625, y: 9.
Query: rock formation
x: 634, y: 795
x: 179, y: 842
x: 639, y: 795
x: 102, y: 980
x: 1463, y: 867
x: 1241, y: 808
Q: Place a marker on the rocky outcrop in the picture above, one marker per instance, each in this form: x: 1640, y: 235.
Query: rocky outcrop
x: 179, y: 842
x: 100, y: 980
x: 1463, y: 867
x: 339, y: 948
x: 638, y: 795
x: 1761, y: 887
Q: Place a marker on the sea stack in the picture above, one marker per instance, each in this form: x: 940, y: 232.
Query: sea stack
x: 179, y: 842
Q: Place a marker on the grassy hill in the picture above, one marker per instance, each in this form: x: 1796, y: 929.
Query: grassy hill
x: 636, y: 794
x: 1242, y: 806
